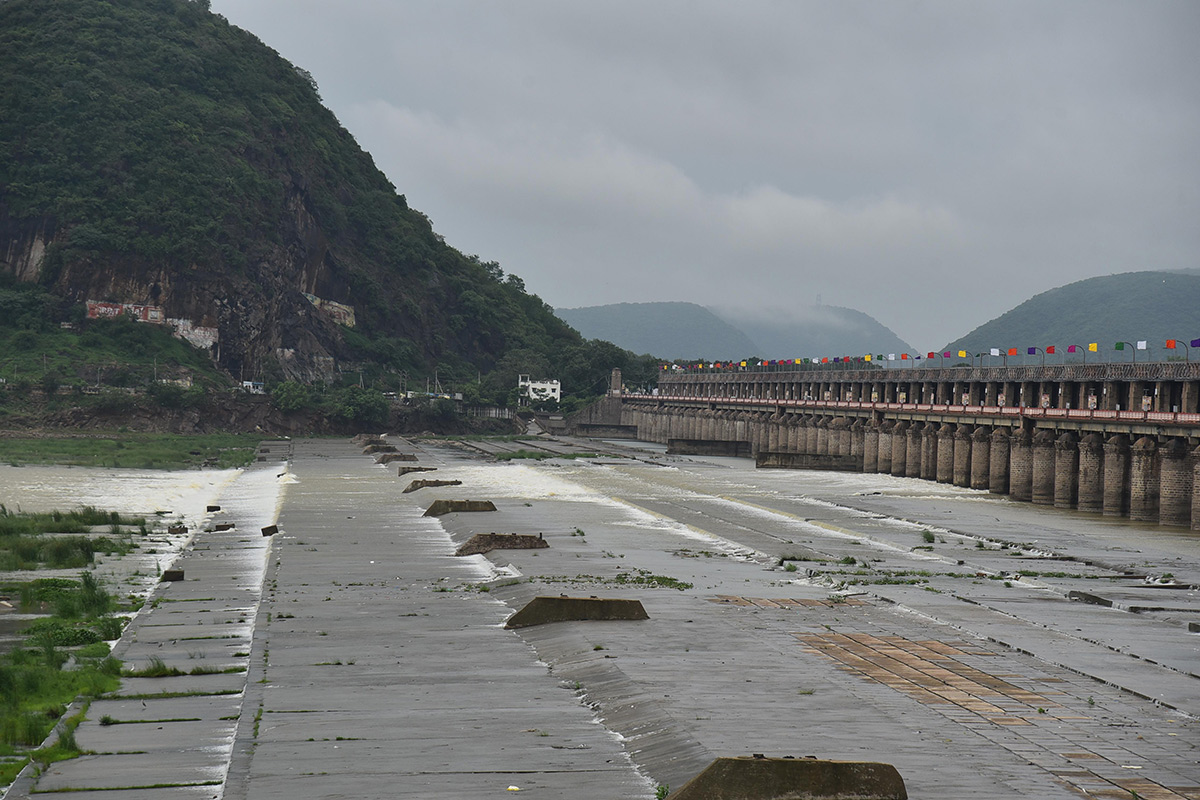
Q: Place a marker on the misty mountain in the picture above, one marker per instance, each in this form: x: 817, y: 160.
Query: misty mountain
x: 1132, y: 306
x: 815, y: 331
x: 686, y: 330
x: 667, y: 330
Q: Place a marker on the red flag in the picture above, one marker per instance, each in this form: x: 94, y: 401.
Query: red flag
x: 932, y: 355
x: 904, y: 356
x: 825, y: 360
x: 1170, y: 344
x: 1012, y: 351
x: 1050, y: 349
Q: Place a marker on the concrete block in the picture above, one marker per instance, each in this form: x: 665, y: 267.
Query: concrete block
x: 405, y: 470
x: 172, y: 575
x: 487, y: 542
x: 758, y: 778
x: 212, y: 508
x: 372, y: 449
x: 415, y: 485
x: 544, y: 610
x: 175, y: 529
x: 224, y: 526
x: 441, y: 507
x: 270, y: 530
x: 1088, y: 597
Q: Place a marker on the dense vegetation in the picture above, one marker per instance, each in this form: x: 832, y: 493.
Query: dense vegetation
x: 1133, y: 306
x: 153, y: 138
x: 37, y: 351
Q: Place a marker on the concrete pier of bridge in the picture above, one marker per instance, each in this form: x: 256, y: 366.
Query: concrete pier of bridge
x: 1113, y: 439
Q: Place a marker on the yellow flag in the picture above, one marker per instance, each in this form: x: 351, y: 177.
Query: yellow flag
x: 743, y: 363
x: 867, y: 358
x: 1093, y: 346
x: 962, y: 353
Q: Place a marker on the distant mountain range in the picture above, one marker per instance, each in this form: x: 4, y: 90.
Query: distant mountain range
x: 690, y: 331
x: 1130, y: 307
x: 1135, y: 306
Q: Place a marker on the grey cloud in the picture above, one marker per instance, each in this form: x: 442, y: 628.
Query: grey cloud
x: 930, y: 163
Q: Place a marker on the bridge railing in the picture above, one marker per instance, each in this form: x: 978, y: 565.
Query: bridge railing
x: 1103, y: 371
x: 1163, y: 417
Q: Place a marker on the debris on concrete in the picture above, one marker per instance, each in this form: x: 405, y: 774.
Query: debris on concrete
x: 415, y: 485
x: 487, y: 542
x: 441, y: 507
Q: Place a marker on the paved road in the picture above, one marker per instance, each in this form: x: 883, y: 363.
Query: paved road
x: 925, y: 626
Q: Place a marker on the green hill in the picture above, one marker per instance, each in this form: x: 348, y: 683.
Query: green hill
x: 152, y: 153
x: 1133, y: 306
x: 667, y: 330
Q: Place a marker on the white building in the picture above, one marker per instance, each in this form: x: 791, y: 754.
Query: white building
x: 537, y: 391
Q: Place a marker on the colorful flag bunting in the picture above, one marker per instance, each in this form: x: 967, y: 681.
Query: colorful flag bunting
x: 1050, y: 349
x: 1170, y: 344
x: 1141, y: 345
x: 1070, y: 348
x: 1012, y: 351
x: 1031, y: 351
x: 962, y: 353
x: 995, y: 351
x: 946, y: 354
x: 866, y: 358
x: 932, y: 355
x: 1195, y: 343
x: 1120, y: 346
x: 1093, y: 347
x: 904, y: 356
x: 825, y: 360
x: 891, y: 356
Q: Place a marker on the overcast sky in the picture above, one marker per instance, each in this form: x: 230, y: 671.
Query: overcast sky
x: 932, y: 163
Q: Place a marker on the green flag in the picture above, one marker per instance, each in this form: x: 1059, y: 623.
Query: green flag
x: 1120, y: 345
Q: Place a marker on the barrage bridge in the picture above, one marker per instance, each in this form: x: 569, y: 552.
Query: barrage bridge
x: 1117, y: 439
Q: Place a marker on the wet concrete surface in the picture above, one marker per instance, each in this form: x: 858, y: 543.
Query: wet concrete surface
x: 927, y: 626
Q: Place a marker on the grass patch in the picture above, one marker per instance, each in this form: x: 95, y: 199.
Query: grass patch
x: 54, y: 539
x: 155, y: 668
x: 639, y: 577
x: 35, y: 689
x: 134, y: 450
x: 541, y: 455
